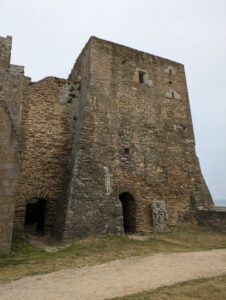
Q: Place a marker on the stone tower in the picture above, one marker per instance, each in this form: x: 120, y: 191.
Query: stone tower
x: 89, y: 155
x: 134, y: 143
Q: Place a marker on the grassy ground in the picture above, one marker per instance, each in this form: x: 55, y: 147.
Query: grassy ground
x: 27, y: 259
x: 202, y: 289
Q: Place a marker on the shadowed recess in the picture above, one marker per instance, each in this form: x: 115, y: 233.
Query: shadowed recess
x: 35, y: 216
x: 129, y: 212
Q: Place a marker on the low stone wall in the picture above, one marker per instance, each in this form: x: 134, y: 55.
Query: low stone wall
x: 214, y: 218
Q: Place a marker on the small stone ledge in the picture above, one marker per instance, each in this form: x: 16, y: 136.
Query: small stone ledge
x: 16, y: 69
x: 219, y: 209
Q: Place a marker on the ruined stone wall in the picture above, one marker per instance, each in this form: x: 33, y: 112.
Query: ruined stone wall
x: 8, y: 176
x: 46, y: 130
x: 136, y: 137
x: 11, y: 83
x: 42, y: 117
x: 214, y: 218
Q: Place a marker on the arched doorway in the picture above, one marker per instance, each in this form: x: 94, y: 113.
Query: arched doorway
x: 129, y: 212
x: 35, y: 216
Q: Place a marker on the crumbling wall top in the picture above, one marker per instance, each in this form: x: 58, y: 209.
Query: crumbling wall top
x: 5, y: 51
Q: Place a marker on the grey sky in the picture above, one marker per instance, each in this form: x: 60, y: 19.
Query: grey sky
x: 48, y: 35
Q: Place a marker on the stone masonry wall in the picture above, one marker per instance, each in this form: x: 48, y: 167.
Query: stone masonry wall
x: 12, y: 83
x: 8, y: 176
x: 46, y: 130
x: 136, y: 137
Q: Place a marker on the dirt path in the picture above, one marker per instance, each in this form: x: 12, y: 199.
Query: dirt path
x: 117, y: 278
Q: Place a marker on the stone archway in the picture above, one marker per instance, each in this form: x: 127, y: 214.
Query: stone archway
x: 129, y: 212
x: 35, y: 216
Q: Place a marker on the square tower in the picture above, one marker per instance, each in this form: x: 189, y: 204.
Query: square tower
x: 134, y: 143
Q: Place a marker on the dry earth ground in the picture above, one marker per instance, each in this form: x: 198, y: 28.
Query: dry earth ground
x: 148, y: 265
x: 118, y: 278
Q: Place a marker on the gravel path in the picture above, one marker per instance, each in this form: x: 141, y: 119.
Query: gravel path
x: 117, y: 278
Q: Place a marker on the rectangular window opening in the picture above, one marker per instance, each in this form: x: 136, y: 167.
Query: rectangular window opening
x: 126, y: 151
x: 141, y: 77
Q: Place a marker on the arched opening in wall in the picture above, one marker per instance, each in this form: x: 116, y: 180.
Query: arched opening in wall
x: 129, y: 212
x: 35, y: 216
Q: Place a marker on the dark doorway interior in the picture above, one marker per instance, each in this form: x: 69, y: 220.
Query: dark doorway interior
x: 129, y: 212
x: 35, y: 216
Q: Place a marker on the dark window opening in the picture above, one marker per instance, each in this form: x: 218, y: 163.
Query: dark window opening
x: 126, y: 151
x: 170, y: 82
x: 173, y: 95
x: 129, y: 212
x: 35, y: 216
x: 170, y: 71
x: 141, y: 77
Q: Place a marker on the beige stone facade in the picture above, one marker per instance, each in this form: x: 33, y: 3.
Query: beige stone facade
x: 95, y: 150
x: 136, y: 137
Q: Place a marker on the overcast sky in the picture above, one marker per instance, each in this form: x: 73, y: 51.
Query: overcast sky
x: 48, y: 35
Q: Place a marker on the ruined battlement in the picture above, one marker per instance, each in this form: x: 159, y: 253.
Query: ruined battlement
x: 5, y: 52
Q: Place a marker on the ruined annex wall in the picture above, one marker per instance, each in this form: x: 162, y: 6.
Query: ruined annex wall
x: 12, y: 84
x: 12, y: 81
x: 137, y: 138
x: 46, y: 130
x: 8, y: 176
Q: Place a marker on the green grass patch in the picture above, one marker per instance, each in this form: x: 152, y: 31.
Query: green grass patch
x: 26, y: 259
x: 201, y: 289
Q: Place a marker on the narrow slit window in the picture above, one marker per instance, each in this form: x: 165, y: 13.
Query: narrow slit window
x: 126, y: 151
x: 141, y: 77
x: 173, y: 95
